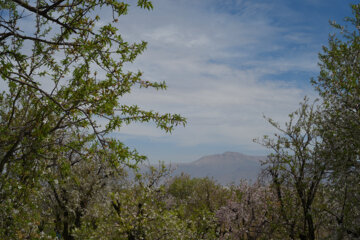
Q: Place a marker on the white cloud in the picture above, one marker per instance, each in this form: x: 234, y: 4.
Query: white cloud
x: 217, y: 58
x: 213, y: 64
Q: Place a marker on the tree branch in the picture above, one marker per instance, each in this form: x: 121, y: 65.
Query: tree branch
x: 51, y: 7
x: 5, y: 35
x: 39, y: 89
x: 42, y: 13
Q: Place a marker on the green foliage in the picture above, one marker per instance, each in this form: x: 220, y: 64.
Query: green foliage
x: 65, y: 80
x: 62, y: 176
x: 314, y: 169
x: 137, y: 210
x: 296, y: 170
x: 338, y: 84
x: 198, y: 199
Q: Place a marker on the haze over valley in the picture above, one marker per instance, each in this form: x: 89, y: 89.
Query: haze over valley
x: 225, y: 168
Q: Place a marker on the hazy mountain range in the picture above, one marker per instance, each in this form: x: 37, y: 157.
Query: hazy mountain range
x: 225, y: 168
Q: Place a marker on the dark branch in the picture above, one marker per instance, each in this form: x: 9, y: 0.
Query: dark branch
x: 4, y: 36
x: 51, y: 7
x: 39, y: 89
x: 42, y: 13
x: 36, y: 39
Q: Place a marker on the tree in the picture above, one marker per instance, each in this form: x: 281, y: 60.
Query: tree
x: 296, y: 171
x: 65, y: 79
x: 138, y: 209
x: 339, y: 87
x: 320, y: 152
x: 74, y: 198
x: 197, y: 200
x: 247, y: 215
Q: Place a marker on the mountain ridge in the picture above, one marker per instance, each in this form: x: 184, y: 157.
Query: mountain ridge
x: 225, y: 168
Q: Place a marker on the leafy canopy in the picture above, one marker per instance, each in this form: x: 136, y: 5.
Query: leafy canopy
x: 63, y: 76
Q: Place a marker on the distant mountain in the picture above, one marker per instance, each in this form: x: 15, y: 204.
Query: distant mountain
x: 224, y: 168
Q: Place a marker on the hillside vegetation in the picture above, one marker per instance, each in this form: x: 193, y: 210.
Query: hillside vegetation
x: 63, y: 177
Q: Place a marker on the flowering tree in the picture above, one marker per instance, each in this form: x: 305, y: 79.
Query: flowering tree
x: 339, y: 87
x: 248, y: 215
x: 314, y: 168
x: 62, y: 62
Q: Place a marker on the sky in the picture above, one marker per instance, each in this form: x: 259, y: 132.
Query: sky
x: 227, y: 63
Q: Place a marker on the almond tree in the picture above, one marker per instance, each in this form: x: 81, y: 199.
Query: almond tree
x: 248, y: 214
x: 62, y: 71
x: 339, y: 87
x: 296, y: 170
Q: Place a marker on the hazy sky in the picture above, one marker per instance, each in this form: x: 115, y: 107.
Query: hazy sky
x: 227, y: 63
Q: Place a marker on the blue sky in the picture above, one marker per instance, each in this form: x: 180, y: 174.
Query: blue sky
x: 227, y: 63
